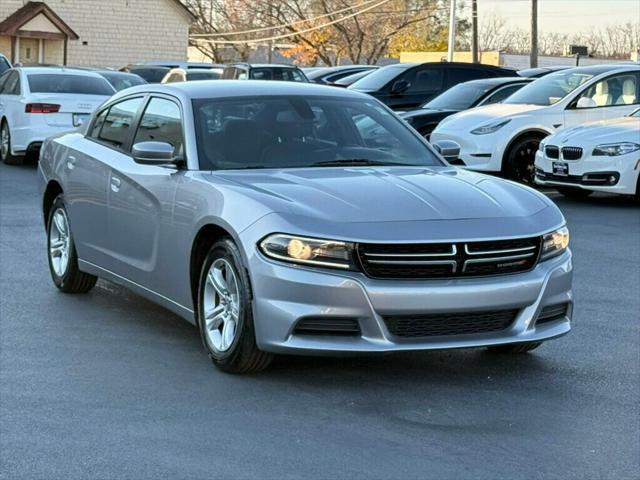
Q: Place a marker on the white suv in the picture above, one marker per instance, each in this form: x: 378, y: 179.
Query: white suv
x: 37, y: 102
x: 505, y: 137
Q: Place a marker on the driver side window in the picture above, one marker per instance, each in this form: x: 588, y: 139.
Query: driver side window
x: 616, y: 90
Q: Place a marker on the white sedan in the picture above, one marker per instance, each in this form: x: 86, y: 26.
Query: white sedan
x: 38, y: 102
x: 599, y: 156
x: 504, y: 138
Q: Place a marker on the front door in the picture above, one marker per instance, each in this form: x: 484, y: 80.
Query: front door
x: 611, y: 97
x: 141, y: 199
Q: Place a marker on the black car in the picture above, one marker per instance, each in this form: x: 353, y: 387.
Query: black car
x: 329, y: 75
x: 407, y: 85
x: 538, y: 72
x: 349, y: 80
x: 269, y: 71
x: 461, y: 97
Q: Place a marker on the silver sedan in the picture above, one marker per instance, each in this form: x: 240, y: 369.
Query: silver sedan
x: 296, y: 218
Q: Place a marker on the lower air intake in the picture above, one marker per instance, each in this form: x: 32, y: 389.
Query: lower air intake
x: 327, y: 326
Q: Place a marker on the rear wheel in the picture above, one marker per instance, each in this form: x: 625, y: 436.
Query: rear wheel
x: 63, y: 260
x: 514, y: 348
x: 573, y: 192
x: 5, y: 146
x: 520, y: 159
x: 225, y: 317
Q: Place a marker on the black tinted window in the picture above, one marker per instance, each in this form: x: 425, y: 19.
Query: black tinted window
x: 203, y: 75
x: 121, y: 81
x: 161, y: 122
x: 459, y: 75
x: 502, y: 94
x: 150, y: 74
x: 11, y: 85
x: 4, y: 65
x: 65, y: 83
x: 97, y: 125
x: 117, y: 124
x: 427, y: 80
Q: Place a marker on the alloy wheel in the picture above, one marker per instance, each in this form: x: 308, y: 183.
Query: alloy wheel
x: 524, y: 159
x: 4, y: 142
x: 59, y: 242
x: 221, y: 305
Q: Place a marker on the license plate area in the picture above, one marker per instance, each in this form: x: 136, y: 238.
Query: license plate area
x: 561, y: 169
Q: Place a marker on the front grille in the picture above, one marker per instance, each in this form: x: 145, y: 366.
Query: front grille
x: 327, y: 326
x: 551, y: 151
x: 448, y: 260
x: 571, y: 153
x: 551, y: 313
x: 443, y: 324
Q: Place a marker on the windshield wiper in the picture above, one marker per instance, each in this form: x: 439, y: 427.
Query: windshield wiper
x: 352, y: 161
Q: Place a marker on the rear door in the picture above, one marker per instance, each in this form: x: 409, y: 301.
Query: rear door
x: 141, y: 197
x: 88, y: 169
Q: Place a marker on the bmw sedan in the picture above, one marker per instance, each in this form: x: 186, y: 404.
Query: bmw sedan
x: 300, y: 219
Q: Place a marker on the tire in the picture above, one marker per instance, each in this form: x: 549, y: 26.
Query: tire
x: 5, y: 146
x: 574, y: 193
x: 520, y: 159
x: 64, y: 267
x: 227, y: 331
x: 514, y: 348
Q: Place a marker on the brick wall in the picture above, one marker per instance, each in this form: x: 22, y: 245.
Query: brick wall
x: 118, y: 32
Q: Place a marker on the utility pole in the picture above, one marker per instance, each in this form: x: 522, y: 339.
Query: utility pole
x: 474, y: 31
x: 452, y: 31
x: 533, y: 61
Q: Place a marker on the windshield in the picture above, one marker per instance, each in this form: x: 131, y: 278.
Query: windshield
x: 379, y: 78
x: 301, y: 131
x: 65, y: 83
x: 120, y: 81
x: 549, y: 89
x: 460, y: 97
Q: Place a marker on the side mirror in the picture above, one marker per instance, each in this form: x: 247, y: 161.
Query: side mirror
x: 153, y: 153
x: 449, y: 149
x: 586, y: 102
x: 399, y: 86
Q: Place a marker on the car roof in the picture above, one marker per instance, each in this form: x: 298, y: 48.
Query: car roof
x: 498, y: 81
x: 264, y: 65
x: 58, y: 71
x: 176, y: 64
x: 599, y: 69
x: 248, y: 88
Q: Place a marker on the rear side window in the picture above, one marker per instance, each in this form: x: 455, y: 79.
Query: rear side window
x: 428, y: 80
x: 11, y: 85
x: 459, y: 75
x: 161, y: 122
x: 62, y: 83
x: 4, y: 65
x: 117, y: 124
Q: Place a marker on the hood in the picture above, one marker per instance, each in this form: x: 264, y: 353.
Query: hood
x: 384, y: 194
x: 625, y: 129
x: 476, y: 117
x: 427, y: 112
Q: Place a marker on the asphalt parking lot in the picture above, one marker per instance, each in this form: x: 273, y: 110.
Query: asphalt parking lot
x: 108, y: 385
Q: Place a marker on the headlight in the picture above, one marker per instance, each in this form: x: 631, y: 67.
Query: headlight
x: 554, y: 243
x: 615, y: 149
x: 309, y: 251
x: 493, y: 127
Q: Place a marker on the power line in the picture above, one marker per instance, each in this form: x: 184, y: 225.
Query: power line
x: 288, y: 35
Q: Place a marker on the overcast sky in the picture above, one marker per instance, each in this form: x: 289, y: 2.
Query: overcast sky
x: 564, y: 16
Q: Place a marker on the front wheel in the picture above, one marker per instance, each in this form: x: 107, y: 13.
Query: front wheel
x: 515, y: 348
x: 520, y: 160
x: 574, y: 192
x: 224, y: 312
x: 63, y: 260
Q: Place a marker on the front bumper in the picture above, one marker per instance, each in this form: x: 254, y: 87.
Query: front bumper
x: 284, y: 294
x: 482, y: 153
x: 605, y: 174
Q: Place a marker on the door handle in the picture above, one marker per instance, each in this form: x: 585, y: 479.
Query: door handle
x: 115, y: 184
x: 71, y: 162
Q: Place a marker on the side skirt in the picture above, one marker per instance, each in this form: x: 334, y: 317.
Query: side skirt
x: 145, y: 292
